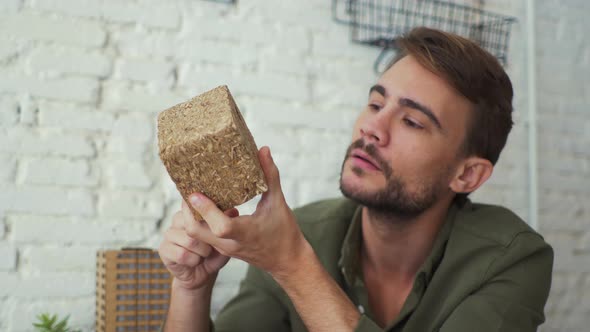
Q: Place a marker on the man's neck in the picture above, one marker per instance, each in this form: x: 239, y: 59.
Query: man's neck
x: 396, y: 247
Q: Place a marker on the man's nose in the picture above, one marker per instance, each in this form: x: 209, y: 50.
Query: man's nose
x: 375, y: 128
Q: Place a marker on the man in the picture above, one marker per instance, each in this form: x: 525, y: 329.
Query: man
x: 405, y: 250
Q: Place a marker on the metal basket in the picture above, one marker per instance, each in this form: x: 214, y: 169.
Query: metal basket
x: 379, y: 22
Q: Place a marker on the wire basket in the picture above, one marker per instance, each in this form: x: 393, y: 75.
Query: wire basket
x: 379, y: 22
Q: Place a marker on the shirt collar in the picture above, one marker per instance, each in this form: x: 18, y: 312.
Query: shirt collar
x: 350, y: 251
x: 349, y: 262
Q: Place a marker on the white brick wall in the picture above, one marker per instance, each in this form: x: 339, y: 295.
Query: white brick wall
x: 38, y: 27
x: 8, y: 257
x: 60, y: 61
x: 564, y: 68
x: 81, y: 82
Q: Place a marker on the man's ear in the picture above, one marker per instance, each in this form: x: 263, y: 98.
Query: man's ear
x: 474, y: 172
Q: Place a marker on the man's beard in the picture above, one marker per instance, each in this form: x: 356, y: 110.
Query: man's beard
x: 394, y: 199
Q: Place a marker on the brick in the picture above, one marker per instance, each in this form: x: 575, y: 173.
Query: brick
x: 7, y: 169
x: 23, y: 141
x: 61, y: 172
x: 126, y: 174
x: 565, y: 182
x: 8, y: 257
x: 281, y: 87
x: 265, y: 135
x: 8, y: 112
x: 61, y: 230
x: 145, y: 70
x: 143, y: 43
x: 349, y: 94
x: 508, y: 176
x: 69, y: 61
x: 583, y: 244
x: 215, y: 52
x: 8, y: 280
x: 117, y: 97
x: 59, y: 30
x: 309, y: 13
x: 563, y: 163
x: 163, y: 44
x: 281, y: 63
x: 577, y: 147
x: 59, y: 258
x: 355, y: 70
x: 9, y: 49
x: 560, y: 125
x: 572, y: 263
x: 126, y: 204
x: 276, y: 114
x: 62, y: 115
x: 77, y: 89
x: 10, y: 6
x: 150, y: 14
x: 290, y: 39
x: 81, y: 8
x: 45, y: 200
x: 27, y: 110
x: 119, y: 147
x: 6, y: 310
x: 134, y: 127
x: 54, y: 285
x: 206, y: 78
x: 336, y: 44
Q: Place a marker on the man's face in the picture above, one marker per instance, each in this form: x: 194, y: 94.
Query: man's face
x: 406, y: 142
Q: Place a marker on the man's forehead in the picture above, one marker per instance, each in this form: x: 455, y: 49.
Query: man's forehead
x: 408, y: 78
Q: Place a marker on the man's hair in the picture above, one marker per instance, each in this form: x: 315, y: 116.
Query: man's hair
x: 475, y: 74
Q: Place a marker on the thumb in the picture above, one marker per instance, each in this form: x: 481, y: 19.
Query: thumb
x: 271, y: 172
x: 215, y: 261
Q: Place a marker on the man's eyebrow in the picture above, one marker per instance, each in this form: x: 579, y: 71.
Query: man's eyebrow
x: 377, y: 88
x: 421, y: 108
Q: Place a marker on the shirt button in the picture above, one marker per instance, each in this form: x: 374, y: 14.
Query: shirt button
x: 361, y: 309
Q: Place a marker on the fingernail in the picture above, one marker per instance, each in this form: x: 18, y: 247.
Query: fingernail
x: 195, y: 200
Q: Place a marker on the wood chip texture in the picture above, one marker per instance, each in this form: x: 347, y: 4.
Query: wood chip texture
x: 206, y: 147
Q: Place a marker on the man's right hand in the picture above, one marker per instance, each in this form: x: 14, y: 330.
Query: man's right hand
x: 192, y: 263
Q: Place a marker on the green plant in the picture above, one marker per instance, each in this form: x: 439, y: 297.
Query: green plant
x: 47, y: 323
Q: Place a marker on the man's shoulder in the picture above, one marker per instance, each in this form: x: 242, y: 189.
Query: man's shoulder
x: 489, y: 240
x: 493, y: 224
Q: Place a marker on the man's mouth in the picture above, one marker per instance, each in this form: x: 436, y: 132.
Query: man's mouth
x: 363, y: 160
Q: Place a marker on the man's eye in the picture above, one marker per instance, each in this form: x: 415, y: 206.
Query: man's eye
x: 412, y: 124
x: 374, y: 107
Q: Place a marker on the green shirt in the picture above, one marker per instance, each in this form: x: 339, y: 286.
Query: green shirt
x: 488, y: 271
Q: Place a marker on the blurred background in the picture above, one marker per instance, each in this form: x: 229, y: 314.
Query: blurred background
x: 81, y: 83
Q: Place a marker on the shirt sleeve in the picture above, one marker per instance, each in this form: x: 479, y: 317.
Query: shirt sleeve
x: 256, y: 307
x: 514, y: 292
